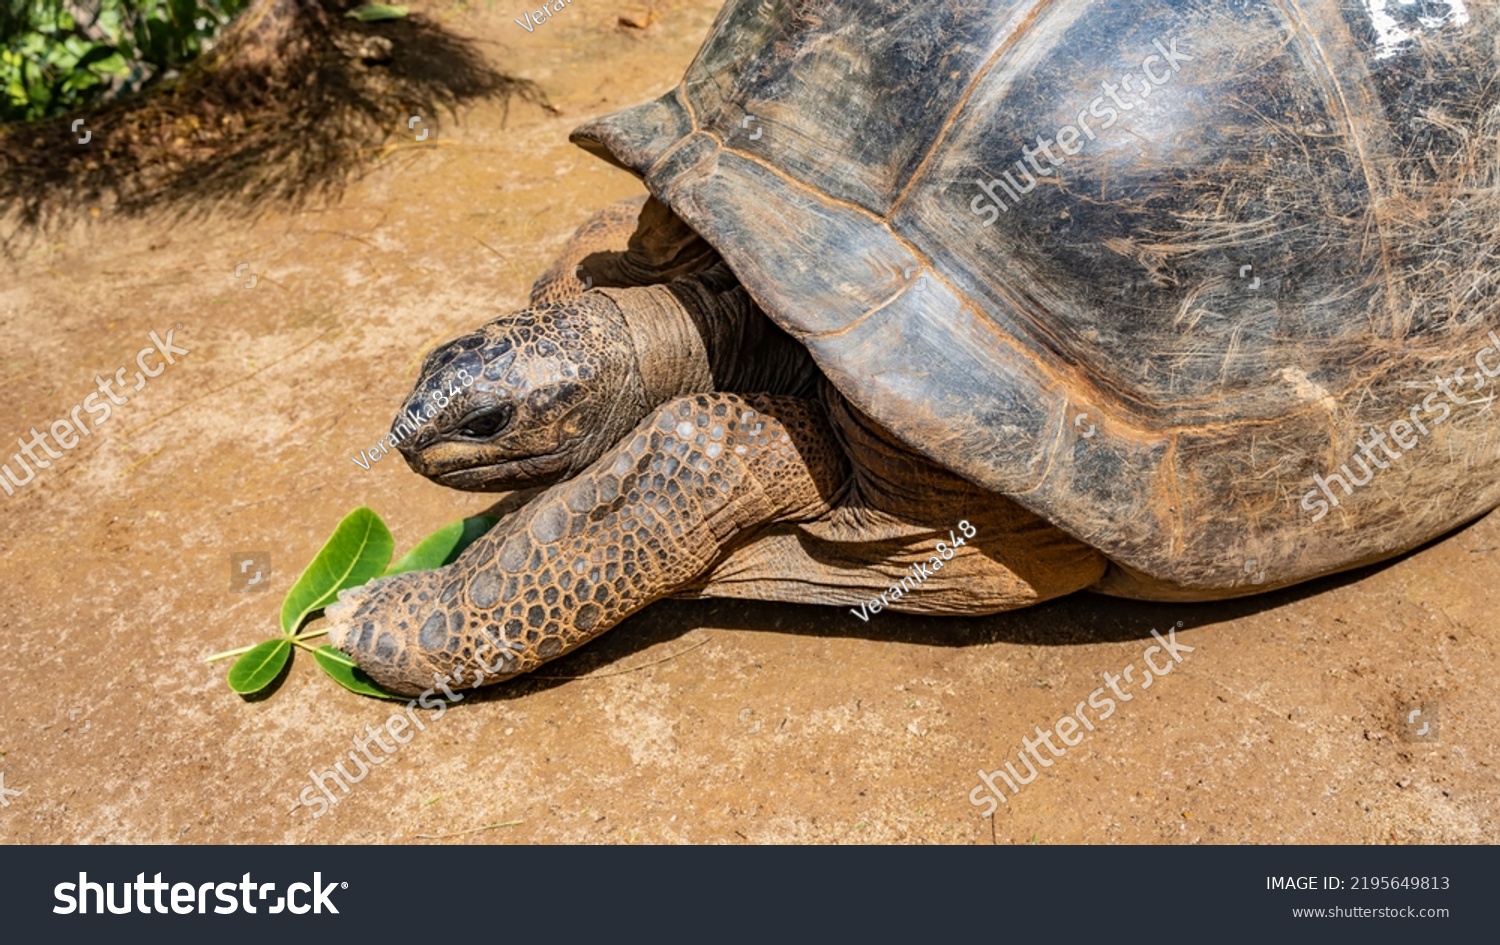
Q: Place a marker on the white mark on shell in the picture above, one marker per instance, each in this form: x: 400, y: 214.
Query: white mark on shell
x: 1392, y: 35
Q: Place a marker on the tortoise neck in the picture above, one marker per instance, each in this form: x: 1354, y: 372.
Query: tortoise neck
x: 704, y: 333
x: 671, y: 350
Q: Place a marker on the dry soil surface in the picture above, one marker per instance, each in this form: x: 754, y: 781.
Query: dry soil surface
x: 703, y: 722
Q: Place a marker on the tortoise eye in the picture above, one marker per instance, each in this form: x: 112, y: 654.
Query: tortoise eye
x: 486, y: 422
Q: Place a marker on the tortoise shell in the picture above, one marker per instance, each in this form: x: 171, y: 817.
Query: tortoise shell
x: 1208, y: 285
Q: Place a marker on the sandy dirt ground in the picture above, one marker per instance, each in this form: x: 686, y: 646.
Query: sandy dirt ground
x: 695, y: 722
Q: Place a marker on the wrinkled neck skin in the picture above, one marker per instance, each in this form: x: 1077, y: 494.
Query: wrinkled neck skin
x: 703, y: 334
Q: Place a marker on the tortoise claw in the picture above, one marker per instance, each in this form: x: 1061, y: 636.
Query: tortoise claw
x: 374, y: 624
x: 340, y: 615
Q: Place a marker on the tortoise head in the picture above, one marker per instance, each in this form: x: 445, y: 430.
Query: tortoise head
x: 527, y: 400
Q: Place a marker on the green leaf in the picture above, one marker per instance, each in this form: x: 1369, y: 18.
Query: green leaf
x: 97, y: 54
x: 375, y: 12
x: 344, y: 671
x: 358, y: 551
x: 257, y: 669
x: 444, y: 545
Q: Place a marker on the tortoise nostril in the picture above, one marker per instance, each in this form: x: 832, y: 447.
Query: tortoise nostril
x: 414, y: 429
x: 413, y: 445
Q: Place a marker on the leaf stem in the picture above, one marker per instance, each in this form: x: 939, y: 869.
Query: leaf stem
x: 228, y: 653
x: 296, y: 640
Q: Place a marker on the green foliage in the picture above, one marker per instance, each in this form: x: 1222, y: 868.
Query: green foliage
x: 57, y: 56
x: 376, y: 12
x: 344, y: 671
x: 259, y: 668
x: 357, y: 552
x: 444, y: 545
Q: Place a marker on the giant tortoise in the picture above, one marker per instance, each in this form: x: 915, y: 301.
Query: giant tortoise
x: 954, y: 308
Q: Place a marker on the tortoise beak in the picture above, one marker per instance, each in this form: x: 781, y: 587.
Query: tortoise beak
x: 474, y: 468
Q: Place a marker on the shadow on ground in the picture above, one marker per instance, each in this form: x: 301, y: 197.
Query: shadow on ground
x: 1074, y: 620
x: 293, y: 102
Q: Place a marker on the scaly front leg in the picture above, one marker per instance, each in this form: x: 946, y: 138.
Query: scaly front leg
x: 647, y: 519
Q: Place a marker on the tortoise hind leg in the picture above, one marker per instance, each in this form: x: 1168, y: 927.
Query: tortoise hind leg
x: 906, y: 535
x: 633, y: 242
x: 990, y: 556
